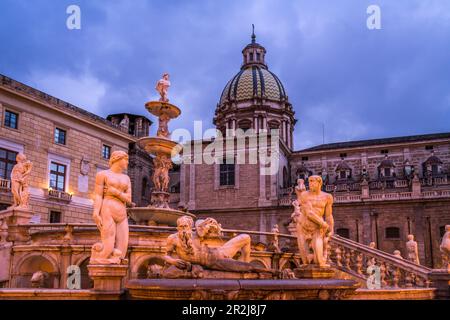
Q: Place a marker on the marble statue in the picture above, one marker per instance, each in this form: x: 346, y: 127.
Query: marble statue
x: 163, y: 128
x: 162, y: 86
x: 314, y: 220
x: 274, y: 244
x: 19, y: 182
x: 112, y: 194
x: 38, y: 279
x: 125, y: 123
x: 398, y: 254
x: 412, y: 250
x: 191, y: 253
x: 373, y: 245
x: 445, y: 248
x: 162, y: 164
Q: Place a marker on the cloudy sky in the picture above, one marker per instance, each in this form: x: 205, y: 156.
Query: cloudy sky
x: 358, y: 83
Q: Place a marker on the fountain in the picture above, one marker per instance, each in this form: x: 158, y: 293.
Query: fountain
x: 163, y: 149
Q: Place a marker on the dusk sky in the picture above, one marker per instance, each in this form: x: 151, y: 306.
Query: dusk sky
x: 359, y: 83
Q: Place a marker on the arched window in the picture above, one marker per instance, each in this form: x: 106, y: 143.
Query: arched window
x: 392, y: 233
x: 144, y: 187
x: 343, y: 232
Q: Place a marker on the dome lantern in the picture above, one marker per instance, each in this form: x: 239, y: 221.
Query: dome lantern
x: 254, y: 53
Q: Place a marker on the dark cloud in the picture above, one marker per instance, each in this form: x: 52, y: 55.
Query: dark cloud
x: 358, y: 83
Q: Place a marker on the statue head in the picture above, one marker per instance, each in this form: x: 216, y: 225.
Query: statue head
x: 21, y: 157
x: 184, y: 227
x: 397, y: 253
x: 410, y: 237
x: 119, y: 158
x: 315, y: 183
x: 372, y: 245
x: 208, y: 226
x: 165, y: 76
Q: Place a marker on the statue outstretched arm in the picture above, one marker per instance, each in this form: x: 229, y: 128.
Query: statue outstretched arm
x: 329, y: 215
x: 98, y: 198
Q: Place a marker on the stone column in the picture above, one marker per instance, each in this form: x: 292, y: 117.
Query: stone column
x: 66, y: 252
x: 255, y: 124
x: 191, y: 203
x: 367, y: 227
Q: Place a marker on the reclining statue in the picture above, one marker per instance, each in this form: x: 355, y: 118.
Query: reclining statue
x: 192, y: 254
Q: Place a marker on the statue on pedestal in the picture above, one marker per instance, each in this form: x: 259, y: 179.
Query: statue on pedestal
x: 112, y: 194
x: 162, y: 86
x: 314, y: 221
x: 163, y: 128
x: 412, y: 249
x: 186, y: 250
x: 19, y: 182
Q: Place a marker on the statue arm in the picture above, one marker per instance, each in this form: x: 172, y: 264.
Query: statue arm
x: 98, y: 198
x: 125, y: 197
x: 170, y: 249
x: 329, y: 215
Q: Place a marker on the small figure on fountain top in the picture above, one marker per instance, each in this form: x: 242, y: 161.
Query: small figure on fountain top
x: 162, y: 86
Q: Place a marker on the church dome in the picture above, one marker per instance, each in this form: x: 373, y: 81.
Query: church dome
x: 253, y: 81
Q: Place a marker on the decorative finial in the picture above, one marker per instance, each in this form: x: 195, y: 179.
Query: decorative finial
x: 253, y: 34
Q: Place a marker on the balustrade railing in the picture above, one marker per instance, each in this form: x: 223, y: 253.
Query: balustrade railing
x: 5, y: 184
x: 355, y: 258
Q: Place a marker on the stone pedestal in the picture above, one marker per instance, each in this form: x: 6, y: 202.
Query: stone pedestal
x: 314, y: 272
x: 440, y: 279
x: 16, y: 218
x: 108, y: 280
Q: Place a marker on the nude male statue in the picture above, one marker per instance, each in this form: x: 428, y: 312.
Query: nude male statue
x: 19, y: 181
x: 314, y: 220
x: 112, y: 194
x: 162, y: 86
x: 190, y: 249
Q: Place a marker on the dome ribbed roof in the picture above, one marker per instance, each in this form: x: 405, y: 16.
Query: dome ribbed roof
x: 253, y: 82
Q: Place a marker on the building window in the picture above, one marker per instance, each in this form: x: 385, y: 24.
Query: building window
x: 227, y: 174
x: 60, y: 136
x: 258, y: 56
x: 305, y: 158
x: 387, y: 172
x: 11, y: 119
x: 385, y: 151
x: 428, y: 147
x: 251, y: 56
x: 343, y: 174
x: 343, y: 232
x: 106, y: 152
x: 7, y: 162
x: 343, y: 155
x: 434, y: 169
x: 57, y: 176
x: 392, y: 233
x: 55, y: 217
x: 144, y: 187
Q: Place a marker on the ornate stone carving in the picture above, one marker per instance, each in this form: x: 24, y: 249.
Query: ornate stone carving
x: 314, y: 221
x: 192, y: 254
x: 112, y: 194
x: 19, y: 182
x: 85, y: 167
x: 162, y: 165
x: 274, y: 243
x: 38, y: 279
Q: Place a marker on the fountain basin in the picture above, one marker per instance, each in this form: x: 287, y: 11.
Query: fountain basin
x: 160, y: 216
x: 158, y: 108
x: 157, y: 145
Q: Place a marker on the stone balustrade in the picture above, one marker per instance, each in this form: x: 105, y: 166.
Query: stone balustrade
x: 354, y: 258
x: 59, y: 195
x: 5, y: 184
x: 385, y: 196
